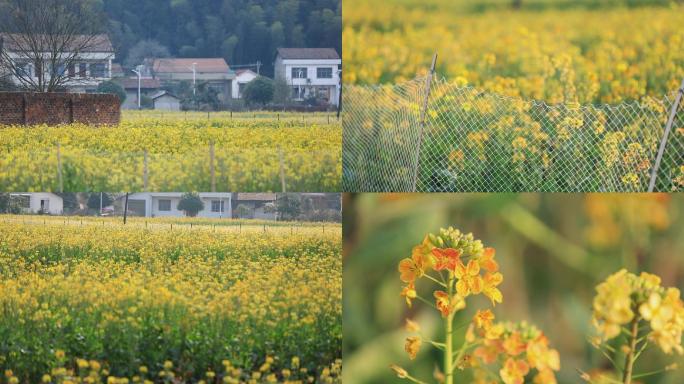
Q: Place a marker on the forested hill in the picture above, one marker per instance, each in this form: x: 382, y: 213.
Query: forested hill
x: 241, y: 31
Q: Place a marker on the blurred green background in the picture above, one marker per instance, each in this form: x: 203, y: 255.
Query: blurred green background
x: 553, y: 250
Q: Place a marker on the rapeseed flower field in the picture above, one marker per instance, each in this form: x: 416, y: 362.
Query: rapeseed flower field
x: 594, y: 55
x: 172, y: 151
x: 97, y: 301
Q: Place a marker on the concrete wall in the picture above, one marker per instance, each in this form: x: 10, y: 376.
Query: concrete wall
x: 28, y: 108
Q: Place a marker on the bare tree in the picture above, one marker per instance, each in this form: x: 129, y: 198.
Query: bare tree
x: 51, y: 36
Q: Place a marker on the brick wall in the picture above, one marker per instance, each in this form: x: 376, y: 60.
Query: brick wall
x: 29, y: 108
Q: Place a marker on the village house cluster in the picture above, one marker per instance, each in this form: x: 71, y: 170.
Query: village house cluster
x: 308, y: 72
x: 220, y: 205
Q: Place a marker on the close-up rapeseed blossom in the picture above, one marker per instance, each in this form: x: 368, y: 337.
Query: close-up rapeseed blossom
x: 531, y: 288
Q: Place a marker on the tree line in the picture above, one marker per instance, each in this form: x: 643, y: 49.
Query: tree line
x: 240, y: 31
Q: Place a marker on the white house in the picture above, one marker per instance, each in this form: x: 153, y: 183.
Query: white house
x: 310, y: 72
x: 161, y: 204
x: 165, y: 101
x: 92, y: 65
x: 242, y: 77
x: 48, y: 203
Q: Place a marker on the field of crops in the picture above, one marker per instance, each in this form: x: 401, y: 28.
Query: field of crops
x: 96, y: 301
x: 561, y: 53
x: 552, y: 97
x: 172, y: 151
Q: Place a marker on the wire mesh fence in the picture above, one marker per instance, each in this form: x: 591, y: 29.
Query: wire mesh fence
x: 475, y: 140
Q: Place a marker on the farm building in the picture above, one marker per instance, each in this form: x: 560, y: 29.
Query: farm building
x: 35, y: 203
x: 165, y: 204
x: 165, y: 101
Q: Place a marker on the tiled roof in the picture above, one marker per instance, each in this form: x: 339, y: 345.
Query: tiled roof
x: 309, y: 53
x: 132, y: 83
x: 91, y: 43
x: 217, y: 65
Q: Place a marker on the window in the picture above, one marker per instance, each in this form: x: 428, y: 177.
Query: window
x: 25, y: 69
x: 217, y: 206
x: 25, y: 202
x: 219, y: 88
x: 82, y: 70
x: 324, y: 73
x: 297, y: 93
x: 72, y: 70
x: 323, y: 92
x: 164, y: 205
x: 45, y: 205
x: 299, y: 73
x: 61, y: 70
x: 98, y: 70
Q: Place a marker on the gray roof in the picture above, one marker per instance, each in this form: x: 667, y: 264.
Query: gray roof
x: 86, y: 43
x: 308, y: 53
x: 159, y: 94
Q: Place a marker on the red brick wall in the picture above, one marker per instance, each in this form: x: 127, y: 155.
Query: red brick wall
x: 29, y: 108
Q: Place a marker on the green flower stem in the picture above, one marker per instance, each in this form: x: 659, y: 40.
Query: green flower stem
x: 645, y: 374
x: 425, y: 301
x: 461, y: 352
x: 630, y: 358
x: 448, y: 343
x: 435, y: 344
x: 435, y: 280
x: 411, y: 378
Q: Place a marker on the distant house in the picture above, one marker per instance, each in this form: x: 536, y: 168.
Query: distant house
x: 310, y: 72
x: 47, y: 203
x: 213, y: 71
x: 92, y: 66
x: 325, y: 201
x: 117, y: 71
x: 254, y: 206
x: 164, y: 204
x: 130, y: 85
x: 242, y: 78
x: 164, y: 101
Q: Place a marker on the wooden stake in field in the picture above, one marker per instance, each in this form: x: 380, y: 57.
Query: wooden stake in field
x: 423, y: 113
x: 663, y: 142
x: 126, y: 209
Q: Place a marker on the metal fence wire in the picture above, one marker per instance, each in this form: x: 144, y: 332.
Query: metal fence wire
x: 480, y: 141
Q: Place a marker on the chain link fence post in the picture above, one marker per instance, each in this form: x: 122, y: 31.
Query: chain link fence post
x: 423, y: 113
x: 666, y: 134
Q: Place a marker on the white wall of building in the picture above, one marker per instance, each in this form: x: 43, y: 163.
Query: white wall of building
x: 80, y: 81
x: 43, y: 202
x: 166, y: 204
x: 167, y: 103
x: 241, y: 80
x: 284, y: 69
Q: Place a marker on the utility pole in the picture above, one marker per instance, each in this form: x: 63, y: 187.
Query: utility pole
x: 194, y: 79
x: 138, y: 71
